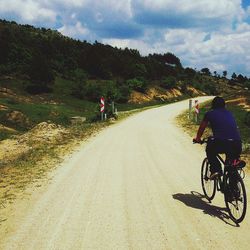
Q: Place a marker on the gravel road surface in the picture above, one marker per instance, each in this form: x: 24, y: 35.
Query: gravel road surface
x: 136, y: 185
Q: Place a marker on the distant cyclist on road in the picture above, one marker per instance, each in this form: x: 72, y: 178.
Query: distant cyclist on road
x: 226, y: 138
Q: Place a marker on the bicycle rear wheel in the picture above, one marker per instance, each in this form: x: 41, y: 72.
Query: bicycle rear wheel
x: 208, y: 185
x: 235, y: 197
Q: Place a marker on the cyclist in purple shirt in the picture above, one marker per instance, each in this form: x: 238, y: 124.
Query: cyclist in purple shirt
x: 226, y: 138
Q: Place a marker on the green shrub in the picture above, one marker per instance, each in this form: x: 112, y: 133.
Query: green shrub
x: 247, y: 119
x: 210, y: 89
x: 125, y: 92
x: 247, y: 84
x: 169, y: 82
x: 138, y: 84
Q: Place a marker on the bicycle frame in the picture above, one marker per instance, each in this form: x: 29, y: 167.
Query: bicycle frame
x: 220, y: 182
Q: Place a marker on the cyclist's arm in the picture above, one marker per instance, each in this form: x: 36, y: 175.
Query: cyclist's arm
x: 201, y: 130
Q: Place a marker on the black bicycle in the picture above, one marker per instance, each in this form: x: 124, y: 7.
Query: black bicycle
x: 230, y: 183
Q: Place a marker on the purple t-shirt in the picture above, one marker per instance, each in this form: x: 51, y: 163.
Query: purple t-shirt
x: 223, y: 124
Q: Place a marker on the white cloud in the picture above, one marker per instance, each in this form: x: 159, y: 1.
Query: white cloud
x: 143, y: 47
x: 110, y: 7
x: 177, y: 37
x: 221, y: 52
x: 73, y: 15
x: 205, y: 8
x: 188, y: 13
x: 66, y: 3
x: 74, y: 30
x: 28, y: 11
x: 243, y: 27
x: 119, y: 43
x: 99, y: 17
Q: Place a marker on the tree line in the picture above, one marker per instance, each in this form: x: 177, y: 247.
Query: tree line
x: 40, y: 55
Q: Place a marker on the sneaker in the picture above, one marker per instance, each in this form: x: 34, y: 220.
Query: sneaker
x: 239, y: 163
x: 214, y: 175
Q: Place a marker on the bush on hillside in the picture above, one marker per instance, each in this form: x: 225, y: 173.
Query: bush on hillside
x: 169, y: 82
x: 79, y: 78
x: 138, y: 84
x: 93, y: 90
x: 35, y: 89
x: 247, y: 84
x: 210, y: 89
x: 125, y: 92
x: 247, y: 119
x: 41, y: 75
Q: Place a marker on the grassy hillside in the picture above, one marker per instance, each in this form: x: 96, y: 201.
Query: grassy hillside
x: 47, y: 76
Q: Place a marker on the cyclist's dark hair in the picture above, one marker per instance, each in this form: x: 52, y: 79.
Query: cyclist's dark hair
x: 218, y: 102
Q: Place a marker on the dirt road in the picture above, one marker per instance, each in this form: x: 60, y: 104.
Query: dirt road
x: 134, y: 186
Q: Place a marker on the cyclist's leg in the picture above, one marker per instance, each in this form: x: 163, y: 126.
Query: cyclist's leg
x: 233, y: 151
x: 213, y: 148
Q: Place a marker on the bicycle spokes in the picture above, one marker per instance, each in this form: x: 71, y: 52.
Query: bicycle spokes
x: 208, y: 185
x: 235, y: 198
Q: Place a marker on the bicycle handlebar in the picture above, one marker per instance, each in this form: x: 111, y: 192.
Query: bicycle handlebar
x: 205, y: 140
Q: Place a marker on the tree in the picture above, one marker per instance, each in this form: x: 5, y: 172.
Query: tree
x: 79, y: 78
x: 189, y: 73
x: 224, y: 73
x: 137, y: 84
x: 111, y: 92
x: 41, y: 75
x: 247, y: 84
x: 171, y: 59
x: 169, y: 82
x: 139, y: 70
x: 206, y: 71
x: 5, y: 40
x: 241, y: 78
x: 234, y: 76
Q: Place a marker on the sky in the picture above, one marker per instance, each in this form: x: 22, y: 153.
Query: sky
x: 202, y: 33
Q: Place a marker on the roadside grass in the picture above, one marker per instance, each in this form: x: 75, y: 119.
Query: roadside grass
x: 59, y: 113
x: 189, y: 125
x: 11, y: 82
x: 5, y: 134
x: 32, y: 168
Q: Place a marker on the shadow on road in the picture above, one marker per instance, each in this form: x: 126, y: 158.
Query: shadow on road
x: 195, y: 200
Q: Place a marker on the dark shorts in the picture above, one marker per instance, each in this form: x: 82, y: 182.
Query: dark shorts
x: 231, y: 148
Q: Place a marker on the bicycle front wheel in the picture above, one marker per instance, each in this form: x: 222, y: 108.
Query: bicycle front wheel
x: 208, y: 185
x: 235, y: 197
